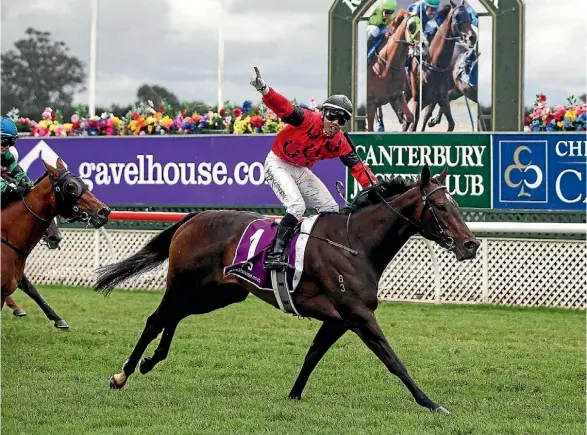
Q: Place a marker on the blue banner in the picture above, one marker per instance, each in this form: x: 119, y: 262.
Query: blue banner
x: 542, y: 171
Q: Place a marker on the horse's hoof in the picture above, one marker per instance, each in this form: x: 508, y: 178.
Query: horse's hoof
x: 145, y: 366
x: 19, y: 312
x: 117, y: 381
x: 441, y: 410
x: 61, y: 324
x: 294, y: 396
x: 431, y: 123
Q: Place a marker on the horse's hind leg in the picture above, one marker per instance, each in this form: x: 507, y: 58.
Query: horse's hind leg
x: 26, y: 286
x: 154, y: 325
x: 366, y: 327
x: 327, y: 335
x: 202, y: 301
x: 17, y: 310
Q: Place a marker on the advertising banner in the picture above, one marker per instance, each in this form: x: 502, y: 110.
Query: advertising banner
x: 467, y: 157
x: 159, y: 170
x: 539, y: 171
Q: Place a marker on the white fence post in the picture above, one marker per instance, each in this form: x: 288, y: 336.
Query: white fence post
x: 96, y: 249
x: 436, y: 271
x: 485, y: 259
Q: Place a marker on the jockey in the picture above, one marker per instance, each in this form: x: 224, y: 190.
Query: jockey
x: 308, y: 138
x: 18, y: 181
x: 382, y: 15
x: 427, y: 10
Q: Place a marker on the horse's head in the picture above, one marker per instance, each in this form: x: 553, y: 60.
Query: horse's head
x: 52, y: 236
x: 73, y: 199
x: 440, y: 218
x: 461, y: 25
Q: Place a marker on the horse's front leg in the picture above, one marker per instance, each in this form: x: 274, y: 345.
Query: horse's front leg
x: 445, y: 107
x: 26, y: 286
x: 327, y: 335
x: 371, y: 109
x: 364, y: 324
x: 414, y: 125
x: 428, y: 115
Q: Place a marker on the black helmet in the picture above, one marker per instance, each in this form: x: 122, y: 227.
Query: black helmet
x: 339, y: 102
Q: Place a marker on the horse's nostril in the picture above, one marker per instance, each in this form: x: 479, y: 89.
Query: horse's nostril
x: 471, y: 245
x: 104, y: 212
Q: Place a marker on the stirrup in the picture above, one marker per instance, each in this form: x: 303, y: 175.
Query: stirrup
x: 277, y: 264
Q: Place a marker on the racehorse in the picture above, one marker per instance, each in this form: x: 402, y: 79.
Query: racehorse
x: 345, y: 255
x: 56, y: 192
x: 460, y: 87
x: 437, y: 73
x: 386, y: 78
x: 52, y: 238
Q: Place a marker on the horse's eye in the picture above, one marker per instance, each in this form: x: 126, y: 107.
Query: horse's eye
x: 441, y: 207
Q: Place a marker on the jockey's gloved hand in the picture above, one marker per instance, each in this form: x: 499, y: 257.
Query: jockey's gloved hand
x: 16, y: 189
x: 258, y: 83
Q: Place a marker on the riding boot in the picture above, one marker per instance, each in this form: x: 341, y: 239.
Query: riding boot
x: 275, y: 258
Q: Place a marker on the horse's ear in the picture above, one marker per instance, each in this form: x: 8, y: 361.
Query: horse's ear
x: 442, y: 176
x: 397, y: 20
x: 452, y: 4
x: 54, y: 173
x: 425, y: 176
x: 60, y: 164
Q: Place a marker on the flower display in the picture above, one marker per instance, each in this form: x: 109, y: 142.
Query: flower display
x: 570, y: 117
x: 146, y: 119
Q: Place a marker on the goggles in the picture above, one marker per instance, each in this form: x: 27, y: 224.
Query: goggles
x: 388, y: 11
x: 8, y: 142
x: 336, y: 115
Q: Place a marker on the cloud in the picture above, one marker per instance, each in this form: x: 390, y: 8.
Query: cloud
x: 173, y: 43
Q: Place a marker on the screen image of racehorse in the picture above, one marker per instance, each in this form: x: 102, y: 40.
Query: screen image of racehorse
x: 421, y: 65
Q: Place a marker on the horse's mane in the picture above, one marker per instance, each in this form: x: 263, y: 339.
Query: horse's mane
x: 38, y: 180
x: 374, y: 194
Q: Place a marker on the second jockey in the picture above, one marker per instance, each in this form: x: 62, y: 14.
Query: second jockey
x: 308, y: 138
x: 427, y: 11
x: 14, y: 181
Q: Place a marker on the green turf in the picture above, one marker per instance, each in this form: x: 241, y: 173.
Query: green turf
x: 498, y: 370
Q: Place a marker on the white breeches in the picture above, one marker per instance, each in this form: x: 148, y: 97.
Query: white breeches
x: 372, y: 30
x: 297, y: 187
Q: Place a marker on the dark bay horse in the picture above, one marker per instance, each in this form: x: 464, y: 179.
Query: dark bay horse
x: 51, y: 238
x: 459, y: 87
x: 57, y: 193
x: 344, y: 259
x: 386, y: 79
x: 436, y: 72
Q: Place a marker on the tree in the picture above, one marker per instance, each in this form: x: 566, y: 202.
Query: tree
x: 156, y: 94
x: 40, y: 72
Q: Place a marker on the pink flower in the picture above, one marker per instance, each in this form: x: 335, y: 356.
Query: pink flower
x: 46, y: 114
x: 74, y: 118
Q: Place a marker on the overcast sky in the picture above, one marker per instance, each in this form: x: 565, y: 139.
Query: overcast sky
x: 173, y: 43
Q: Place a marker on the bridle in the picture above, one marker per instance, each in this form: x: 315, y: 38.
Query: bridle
x: 441, y: 237
x: 68, y: 189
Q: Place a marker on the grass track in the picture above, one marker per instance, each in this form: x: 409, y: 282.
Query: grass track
x: 498, y: 370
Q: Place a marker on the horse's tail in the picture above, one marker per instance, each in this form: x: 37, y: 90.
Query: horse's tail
x: 150, y: 256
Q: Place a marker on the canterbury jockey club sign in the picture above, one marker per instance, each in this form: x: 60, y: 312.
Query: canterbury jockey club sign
x: 509, y: 171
